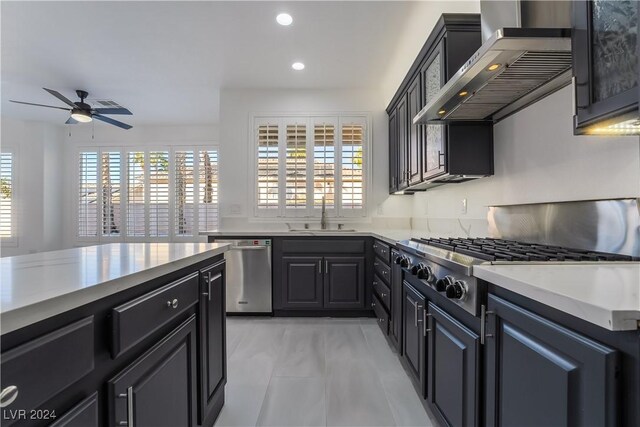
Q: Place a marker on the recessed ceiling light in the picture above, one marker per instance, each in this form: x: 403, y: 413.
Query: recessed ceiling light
x: 284, y: 19
x: 298, y: 66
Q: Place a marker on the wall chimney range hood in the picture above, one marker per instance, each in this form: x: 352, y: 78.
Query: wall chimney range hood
x: 525, y: 56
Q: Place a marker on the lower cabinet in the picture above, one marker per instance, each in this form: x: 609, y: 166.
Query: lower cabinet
x: 336, y: 282
x: 84, y: 414
x: 541, y: 374
x: 453, y: 369
x: 414, y: 334
x: 213, y: 354
x: 395, y: 325
x: 159, y: 388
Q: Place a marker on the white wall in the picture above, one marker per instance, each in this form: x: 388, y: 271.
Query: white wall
x: 537, y: 159
x: 38, y: 192
x: 236, y: 109
x: 416, y: 30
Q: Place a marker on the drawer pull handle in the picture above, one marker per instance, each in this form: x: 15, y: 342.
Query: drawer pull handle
x: 373, y: 304
x: 382, y: 294
x: 8, y: 395
x: 130, y: 402
x: 173, y: 303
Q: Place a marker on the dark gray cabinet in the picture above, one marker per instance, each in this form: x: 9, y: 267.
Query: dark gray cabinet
x: 605, y: 63
x: 213, y: 354
x: 159, y: 388
x: 395, y: 327
x: 344, y: 282
x: 414, y: 342
x: 453, y: 369
x: 301, y: 284
x: 393, y: 152
x: 539, y: 373
x: 402, y: 144
x: 84, y: 414
x: 432, y: 76
x: 415, y: 135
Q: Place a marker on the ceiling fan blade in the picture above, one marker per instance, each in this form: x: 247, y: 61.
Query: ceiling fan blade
x: 61, y: 97
x: 39, y: 105
x: 111, y: 121
x: 71, y: 121
x: 113, y: 111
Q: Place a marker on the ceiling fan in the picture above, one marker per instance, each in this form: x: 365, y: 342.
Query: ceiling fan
x: 81, y: 112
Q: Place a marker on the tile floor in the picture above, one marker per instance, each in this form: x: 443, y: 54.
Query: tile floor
x: 315, y: 372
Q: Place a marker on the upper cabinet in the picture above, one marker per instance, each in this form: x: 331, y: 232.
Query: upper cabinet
x: 422, y: 156
x: 605, y: 67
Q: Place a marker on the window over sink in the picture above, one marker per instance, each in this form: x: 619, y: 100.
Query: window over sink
x: 301, y: 160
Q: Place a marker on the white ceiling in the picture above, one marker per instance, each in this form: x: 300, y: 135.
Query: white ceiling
x: 167, y: 61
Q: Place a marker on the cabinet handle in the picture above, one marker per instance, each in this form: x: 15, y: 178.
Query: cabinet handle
x: 483, y: 324
x: 373, y: 304
x: 440, y: 155
x: 130, y: 405
x: 326, y: 267
x: 319, y: 266
x: 424, y: 322
x: 8, y: 395
x: 173, y: 303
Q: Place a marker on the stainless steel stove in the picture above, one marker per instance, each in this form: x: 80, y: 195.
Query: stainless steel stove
x: 446, y: 265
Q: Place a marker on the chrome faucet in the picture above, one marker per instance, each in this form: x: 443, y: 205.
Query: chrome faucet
x: 323, y: 218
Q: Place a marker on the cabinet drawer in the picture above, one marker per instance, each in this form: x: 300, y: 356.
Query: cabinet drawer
x: 45, y: 366
x: 139, y: 318
x: 381, y: 315
x: 313, y: 246
x: 84, y: 414
x: 382, y: 291
x: 382, y: 251
x: 382, y: 270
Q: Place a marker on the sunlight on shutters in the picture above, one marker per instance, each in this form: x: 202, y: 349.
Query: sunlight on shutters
x: 158, y: 193
x: 324, y: 165
x: 111, y: 187
x: 208, y: 189
x: 88, y: 195
x: 268, y: 166
x: 135, y: 194
x: 352, y: 177
x: 184, y: 193
x: 6, y: 195
x: 296, y: 167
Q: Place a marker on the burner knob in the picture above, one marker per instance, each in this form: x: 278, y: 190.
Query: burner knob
x: 404, y: 261
x: 441, y: 284
x: 457, y: 291
x: 398, y: 259
x: 417, y: 268
x: 426, y: 273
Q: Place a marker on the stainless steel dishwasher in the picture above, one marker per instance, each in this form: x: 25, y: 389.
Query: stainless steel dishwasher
x: 248, y: 276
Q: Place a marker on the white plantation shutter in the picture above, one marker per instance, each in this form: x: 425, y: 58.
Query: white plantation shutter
x: 324, y: 165
x: 352, y: 155
x: 136, y: 198
x: 7, y: 226
x: 111, y: 192
x: 158, y: 194
x: 296, y: 166
x: 184, y: 192
x: 267, y: 165
x: 88, y: 194
x: 208, y: 189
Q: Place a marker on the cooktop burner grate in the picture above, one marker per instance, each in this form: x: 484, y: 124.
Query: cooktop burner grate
x: 510, y: 250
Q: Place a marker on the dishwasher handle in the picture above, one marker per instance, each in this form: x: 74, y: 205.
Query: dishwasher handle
x: 247, y: 248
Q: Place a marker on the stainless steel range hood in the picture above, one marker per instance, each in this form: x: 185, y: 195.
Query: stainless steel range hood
x: 525, y: 56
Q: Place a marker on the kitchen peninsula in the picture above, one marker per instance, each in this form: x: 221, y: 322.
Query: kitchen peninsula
x: 109, y: 334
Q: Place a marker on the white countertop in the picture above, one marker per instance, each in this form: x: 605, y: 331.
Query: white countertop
x: 38, y: 286
x: 606, y: 294
x: 389, y: 236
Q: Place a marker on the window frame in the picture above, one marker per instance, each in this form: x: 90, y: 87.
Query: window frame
x: 124, y: 150
x: 310, y: 212
x: 12, y: 240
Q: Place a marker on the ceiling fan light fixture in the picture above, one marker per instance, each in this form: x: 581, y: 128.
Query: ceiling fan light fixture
x: 81, y: 115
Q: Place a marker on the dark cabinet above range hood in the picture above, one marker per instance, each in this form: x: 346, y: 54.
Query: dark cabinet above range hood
x: 525, y: 56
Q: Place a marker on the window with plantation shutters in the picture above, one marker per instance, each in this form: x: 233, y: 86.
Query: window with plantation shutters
x: 133, y: 195
x: 296, y: 167
x: 302, y: 161
x: 268, y: 194
x: 352, y: 191
x: 7, y: 219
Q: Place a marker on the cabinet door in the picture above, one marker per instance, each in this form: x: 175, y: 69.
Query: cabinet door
x: 433, y: 78
x: 413, y: 339
x: 159, y: 388
x: 393, y: 152
x: 301, y: 282
x: 414, y: 149
x: 605, y: 63
x: 213, y: 355
x: 401, y: 115
x: 344, y: 282
x: 542, y: 374
x: 453, y: 369
x: 395, y: 324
